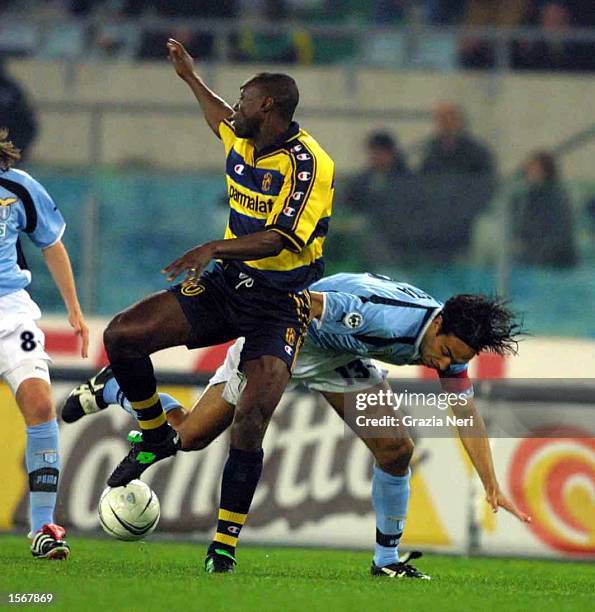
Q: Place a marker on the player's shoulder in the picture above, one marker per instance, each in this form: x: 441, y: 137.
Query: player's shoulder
x: 305, y: 144
x: 23, y: 179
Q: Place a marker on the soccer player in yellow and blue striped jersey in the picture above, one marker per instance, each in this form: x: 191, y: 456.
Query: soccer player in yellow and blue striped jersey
x: 286, y: 187
x: 280, y: 187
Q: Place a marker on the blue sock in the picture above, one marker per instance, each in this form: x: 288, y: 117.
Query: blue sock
x: 390, y: 497
x: 43, y: 465
x: 112, y: 394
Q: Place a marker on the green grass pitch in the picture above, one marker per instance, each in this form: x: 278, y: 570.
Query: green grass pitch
x: 167, y: 576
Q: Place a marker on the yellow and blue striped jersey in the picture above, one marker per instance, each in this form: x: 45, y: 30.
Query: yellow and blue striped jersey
x: 288, y: 188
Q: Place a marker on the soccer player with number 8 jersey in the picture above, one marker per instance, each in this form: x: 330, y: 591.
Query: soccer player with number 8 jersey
x: 26, y: 208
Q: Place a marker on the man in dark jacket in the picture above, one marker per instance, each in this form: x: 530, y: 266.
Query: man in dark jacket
x: 459, y: 181
x: 373, y: 199
x: 452, y: 149
x: 543, y: 221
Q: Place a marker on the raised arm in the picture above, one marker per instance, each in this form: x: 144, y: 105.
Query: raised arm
x: 477, y: 445
x: 214, y: 108
x: 58, y: 263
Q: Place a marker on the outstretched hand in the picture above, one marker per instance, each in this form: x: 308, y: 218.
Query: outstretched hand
x: 497, y: 499
x: 180, y: 58
x: 193, y: 262
x: 77, y: 322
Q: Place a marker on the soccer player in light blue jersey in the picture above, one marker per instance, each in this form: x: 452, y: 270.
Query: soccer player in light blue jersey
x: 357, y: 318
x: 27, y: 208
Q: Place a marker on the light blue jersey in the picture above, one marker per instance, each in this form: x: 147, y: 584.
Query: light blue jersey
x: 365, y: 317
x: 374, y: 317
x: 25, y: 206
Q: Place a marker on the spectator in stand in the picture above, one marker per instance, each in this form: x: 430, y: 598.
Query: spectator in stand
x: 275, y: 45
x: 452, y: 149
x: 16, y: 114
x: 385, y: 165
x: 376, y: 189
x: 476, y: 52
x: 459, y: 182
x: 199, y: 43
x: 542, y: 217
x: 556, y: 19
x: 389, y: 12
x: 445, y: 12
x: 153, y: 43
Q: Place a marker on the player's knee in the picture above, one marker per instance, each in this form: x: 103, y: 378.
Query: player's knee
x: 39, y: 409
x: 394, y: 455
x: 248, y: 427
x: 118, y: 336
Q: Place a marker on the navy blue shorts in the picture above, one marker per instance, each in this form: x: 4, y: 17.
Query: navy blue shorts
x: 226, y: 303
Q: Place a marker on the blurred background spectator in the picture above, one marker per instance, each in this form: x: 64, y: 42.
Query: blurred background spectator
x: 555, y: 18
x: 385, y: 162
x: 16, y: 113
x: 388, y: 12
x: 444, y: 12
x: 374, y: 199
x: 476, y: 52
x: 459, y: 181
x: 200, y: 44
x: 542, y: 216
x: 271, y: 46
x: 452, y: 149
x: 153, y: 43
x: 281, y: 31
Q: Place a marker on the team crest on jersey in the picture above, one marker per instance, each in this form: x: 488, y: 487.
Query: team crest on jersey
x: 50, y: 457
x: 353, y: 320
x: 290, y: 336
x: 267, y: 179
x: 5, y: 209
x: 190, y: 288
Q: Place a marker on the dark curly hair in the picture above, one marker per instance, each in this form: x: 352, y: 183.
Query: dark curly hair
x: 484, y: 323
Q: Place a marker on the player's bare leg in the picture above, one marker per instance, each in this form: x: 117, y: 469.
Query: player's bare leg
x: 266, y: 379
x: 208, y: 419
x: 390, y: 483
x: 155, y: 323
x: 33, y: 397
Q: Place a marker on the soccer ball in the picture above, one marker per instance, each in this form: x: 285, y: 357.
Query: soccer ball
x: 130, y: 512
